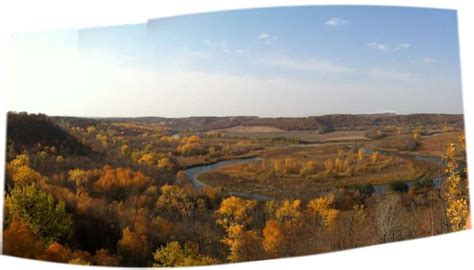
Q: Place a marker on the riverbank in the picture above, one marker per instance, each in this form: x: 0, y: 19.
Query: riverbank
x: 250, y: 179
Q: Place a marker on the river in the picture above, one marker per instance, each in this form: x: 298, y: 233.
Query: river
x: 193, y: 172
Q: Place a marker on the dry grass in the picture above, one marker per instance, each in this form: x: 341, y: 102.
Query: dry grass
x: 430, y: 145
x: 302, y: 135
x: 400, y: 142
x: 436, y: 144
x: 250, y: 129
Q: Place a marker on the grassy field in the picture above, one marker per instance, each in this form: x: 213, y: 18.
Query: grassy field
x: 436, y: 144
x: 250, y: 129
x: 311, y: 136
x: 430, y: 145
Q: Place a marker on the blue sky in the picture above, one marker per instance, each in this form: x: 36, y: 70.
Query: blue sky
x: 296, y: 61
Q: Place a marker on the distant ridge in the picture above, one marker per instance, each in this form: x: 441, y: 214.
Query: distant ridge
x: 324, y: 123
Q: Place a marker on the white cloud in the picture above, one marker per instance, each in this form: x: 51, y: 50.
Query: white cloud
x: 402, y: 46
x: 266, y: 38
x: 385, y: 47
x: 311, y: 65
x: 336, y: 21
x: 378, y: 46
x: 429, y: 60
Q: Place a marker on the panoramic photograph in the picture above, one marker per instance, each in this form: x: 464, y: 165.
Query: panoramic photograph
x: 234, y: 136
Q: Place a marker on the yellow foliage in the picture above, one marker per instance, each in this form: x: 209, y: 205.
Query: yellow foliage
x: 175, y: 198
x: 148, y: 159
x: 20, y: 171
x: 278, y: 166
x: 60, y: 160
x: 165, y: 163
x: 457, y: 192
x: 243, y: 245
x: 235, y: 211
x: 321, y: 209
x: 374, y: 157
x: 291, y: 166
x: 308, y: 168
x: 361, y: 154
x: 328, y: 166
x: 289, y: 211
x: 125, y: 149
x: 173, y: 255
x: 91, y: 129
x: 272, y: 237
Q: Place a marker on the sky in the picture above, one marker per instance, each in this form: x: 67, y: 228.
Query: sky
x: 272, y: 62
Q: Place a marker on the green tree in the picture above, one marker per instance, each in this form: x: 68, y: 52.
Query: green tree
x: 40, y: 211
x: 174, y: 255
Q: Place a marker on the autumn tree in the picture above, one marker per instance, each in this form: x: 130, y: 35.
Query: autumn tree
x: 189, y: 145
x: 283, y: 227
x: 165, y: 163
x: 56, y: 252
x: 278, y: 166
x: 308, y: 168
x: 361, y: 154
x: 235, y: 216
x: 80, y: 178
x: 21, y: 240
x: 173, y: 254
x: 291, y: 166
x: 457, y: 192
x: 272, y: 238
x: 244, y: 245
x: 374, y: 157
x: 40, y: 211
x: 133, y: 248
x: 322, y: 211
x: 328, y: 167
x: 125, y: 149
x: 355, y: 222
x: 176, y: 200
x: 322, y: 217
x: 338, y: 165
x: 105, y: 258
x: 20, y: 171
x: 120, y: 182
x: 391, y: 218
x: 148, y: 159
x: 235, y: 211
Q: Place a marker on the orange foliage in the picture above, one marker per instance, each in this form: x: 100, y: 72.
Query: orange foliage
x: 105, y: 258
x: 121, y: 178
x: 133, y: 247
x: 20, y: 240
x: 272, y: 237
x: 57, y: 253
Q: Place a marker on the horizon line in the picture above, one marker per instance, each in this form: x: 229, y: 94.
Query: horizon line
x: 254, y: 116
